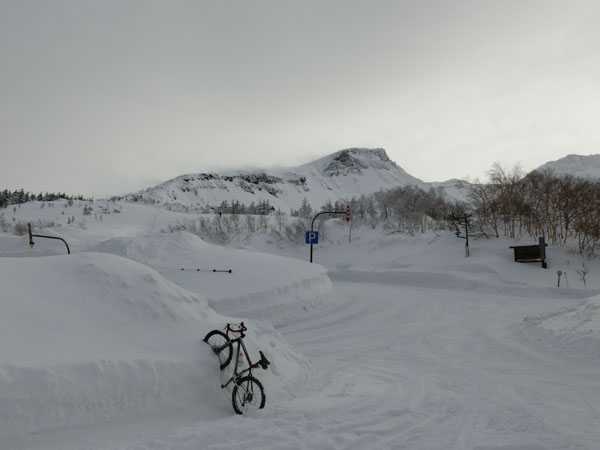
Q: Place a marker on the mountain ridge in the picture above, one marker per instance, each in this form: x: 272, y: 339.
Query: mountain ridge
x: 585, y: 166
x: 346, y: 173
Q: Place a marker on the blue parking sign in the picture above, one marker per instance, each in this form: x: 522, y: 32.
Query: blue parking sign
x: 312, y: 237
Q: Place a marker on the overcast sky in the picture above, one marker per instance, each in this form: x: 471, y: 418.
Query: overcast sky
x: 108, y: 97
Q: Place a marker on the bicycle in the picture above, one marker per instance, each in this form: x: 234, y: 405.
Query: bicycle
x: 248, y: 393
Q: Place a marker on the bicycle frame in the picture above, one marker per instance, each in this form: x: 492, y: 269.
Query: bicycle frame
x: 237, y: 375
x: 241, y: 345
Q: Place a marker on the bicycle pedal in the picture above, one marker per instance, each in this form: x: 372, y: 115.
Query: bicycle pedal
x: 264, y: 362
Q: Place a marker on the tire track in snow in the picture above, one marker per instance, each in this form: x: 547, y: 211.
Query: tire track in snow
x: 414, y: 368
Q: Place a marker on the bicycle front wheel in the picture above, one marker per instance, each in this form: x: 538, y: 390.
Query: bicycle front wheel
x: 248, y: 394
x: 221, y: 346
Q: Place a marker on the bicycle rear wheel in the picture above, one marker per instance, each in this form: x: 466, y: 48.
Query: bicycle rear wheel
x: 221, y: 346
x: 248, y: 394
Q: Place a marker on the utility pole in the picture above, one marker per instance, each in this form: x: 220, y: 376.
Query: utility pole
x: 464, y: 221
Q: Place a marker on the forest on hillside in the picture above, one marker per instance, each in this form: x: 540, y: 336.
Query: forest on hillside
x: 18, y: 197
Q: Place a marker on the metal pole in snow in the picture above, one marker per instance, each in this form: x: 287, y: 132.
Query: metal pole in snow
x: 31, y: 236
x: 467, y: 253
x: 348, y: 219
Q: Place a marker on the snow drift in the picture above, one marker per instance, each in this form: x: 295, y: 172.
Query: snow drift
x: 94, y: 337
x: 256, y: 281
x: 573, y: 331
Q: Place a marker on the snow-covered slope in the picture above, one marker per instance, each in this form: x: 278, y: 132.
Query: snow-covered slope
x: 585, y: 166
x: 454, y: 189
x: 344, y: 174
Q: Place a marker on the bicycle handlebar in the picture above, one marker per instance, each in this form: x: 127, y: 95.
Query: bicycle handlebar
x: 240, y: 329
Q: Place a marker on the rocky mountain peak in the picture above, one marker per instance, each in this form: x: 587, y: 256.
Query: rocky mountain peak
x: 354, y: 160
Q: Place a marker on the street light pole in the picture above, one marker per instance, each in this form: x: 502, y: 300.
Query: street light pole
x: 31, y: 236
x: 312, y: 227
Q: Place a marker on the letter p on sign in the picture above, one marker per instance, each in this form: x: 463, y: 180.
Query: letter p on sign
x: 312, y: 237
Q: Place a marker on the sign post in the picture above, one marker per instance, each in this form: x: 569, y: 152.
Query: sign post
x: 312, y: 236
x: 542, y: 243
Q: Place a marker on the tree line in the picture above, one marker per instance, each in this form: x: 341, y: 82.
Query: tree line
x: 560, y: 207
x: 563, y: 208
x: 404, y: 209
x: 19, y: 197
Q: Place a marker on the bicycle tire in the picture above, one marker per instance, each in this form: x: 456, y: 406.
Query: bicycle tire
x: 216, y: 339
x: 248, y: 395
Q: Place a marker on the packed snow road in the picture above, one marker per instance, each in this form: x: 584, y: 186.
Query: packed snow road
x: 426, y: 368
x: 403, y: 367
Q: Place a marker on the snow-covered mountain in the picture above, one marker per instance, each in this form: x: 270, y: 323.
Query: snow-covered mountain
x: 586, y: 166
x: 454, y: 189
x: 345, y: 174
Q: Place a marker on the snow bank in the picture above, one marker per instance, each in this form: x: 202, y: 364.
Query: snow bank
x: 442, y: 256
x: 95, y: 337
x: 257, y: 280
x: 573, y: 331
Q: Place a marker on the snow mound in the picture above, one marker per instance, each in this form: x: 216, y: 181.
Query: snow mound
x: 94, y: 337
x: 256, y: 281
x: 96, y: 297
x: 573, y: 330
